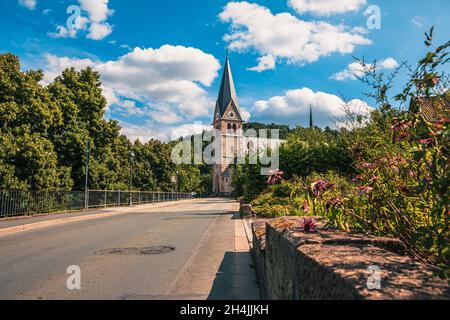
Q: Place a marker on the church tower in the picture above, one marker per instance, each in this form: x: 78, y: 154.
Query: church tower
x: 228, y: 121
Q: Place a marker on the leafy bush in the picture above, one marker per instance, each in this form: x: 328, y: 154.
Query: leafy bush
x: 389, y: 177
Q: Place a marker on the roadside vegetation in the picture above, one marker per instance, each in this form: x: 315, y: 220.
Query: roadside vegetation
x: 44, y: 130
x: 388, y: 175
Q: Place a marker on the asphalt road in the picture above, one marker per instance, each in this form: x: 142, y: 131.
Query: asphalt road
x: 113, y: 256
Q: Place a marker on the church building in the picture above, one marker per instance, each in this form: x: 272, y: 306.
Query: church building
x: 228, y: 121
x: 231, y: 141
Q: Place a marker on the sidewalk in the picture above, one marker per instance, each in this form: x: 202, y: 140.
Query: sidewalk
x: 24, y: 223
x: 245, y: 282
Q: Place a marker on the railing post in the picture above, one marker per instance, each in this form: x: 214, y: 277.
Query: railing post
x: 86, y: 200
x: 105, y: 199
x: 130, y: 196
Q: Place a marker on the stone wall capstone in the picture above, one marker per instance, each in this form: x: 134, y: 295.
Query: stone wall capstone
x: 331, y: 264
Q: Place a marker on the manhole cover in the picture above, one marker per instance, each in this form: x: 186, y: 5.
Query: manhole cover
x: 136, y: 251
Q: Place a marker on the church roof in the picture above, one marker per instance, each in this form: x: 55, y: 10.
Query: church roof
x: 227, y: 91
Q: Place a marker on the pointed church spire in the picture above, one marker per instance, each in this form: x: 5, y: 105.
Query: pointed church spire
x: 311, y: 122
x: 227, y: 91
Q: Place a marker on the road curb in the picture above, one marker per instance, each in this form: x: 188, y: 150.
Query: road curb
x: 54, y: 222
x: 248, y: 231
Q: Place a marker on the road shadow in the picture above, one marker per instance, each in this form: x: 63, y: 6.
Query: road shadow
x: 235, y: 279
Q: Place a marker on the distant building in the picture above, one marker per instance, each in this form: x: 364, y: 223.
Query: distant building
x: 228, y: 121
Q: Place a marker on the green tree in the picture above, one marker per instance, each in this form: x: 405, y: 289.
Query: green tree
x: 27, y: 112
x: 79, y: 97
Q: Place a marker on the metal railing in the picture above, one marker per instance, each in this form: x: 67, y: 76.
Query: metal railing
x: 17, y: 203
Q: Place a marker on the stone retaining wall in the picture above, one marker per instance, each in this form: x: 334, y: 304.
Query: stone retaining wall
x: 331, y: 264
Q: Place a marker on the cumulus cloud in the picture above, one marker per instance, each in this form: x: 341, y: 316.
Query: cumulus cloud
x: 98, y: 12
x: 99, y: 31
x: 264, y: 63
x: 63, y: 32
x: 55, y: 65
x: 29, y: 4
x: 358, y: 69
x: 294, y: 106
x: 93, y: 20
x: 166, y: 84
x: 150, y: 131
x: 283, y: 36
x: 389, y: 63
x: 326, y: 7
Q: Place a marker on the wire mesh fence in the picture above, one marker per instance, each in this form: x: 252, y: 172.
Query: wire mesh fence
x: 16, y: 203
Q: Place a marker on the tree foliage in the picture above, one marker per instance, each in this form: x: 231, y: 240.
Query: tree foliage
x: 44, y: 131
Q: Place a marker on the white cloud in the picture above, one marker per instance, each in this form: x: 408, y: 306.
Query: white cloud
x: 99, y: 31
x: 55, y: 65
x: 264, y: 63
x: 165, y: 84
x: 418, y: 21
x: 245, y: 114
x: 63, y: 32
x: 358, y: 69
x: 326, y: 7
x: 97, y: 10
x: 284, y: 36
x: 187, y: 130
x: 95, y: 22
x: 166, y: 116
x: 29, y: 4
x: 294, y: 107
x: 388, y: 64
x: 139, y: 132
x: 151, y: 130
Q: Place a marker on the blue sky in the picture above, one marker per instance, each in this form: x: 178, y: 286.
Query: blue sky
x: 161, y: 61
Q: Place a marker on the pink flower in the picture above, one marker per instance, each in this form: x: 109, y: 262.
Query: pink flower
x: 401, y: 125
x: 306, y: 207
x: 321, y: 186
x: 436, y: 80
x: 364, y: 190
x: 426, y: 141
x: 275, y: 177
x: 370, y: 166
x: 309, y: 225
x: 402, y: 136
x: 337, y: 202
